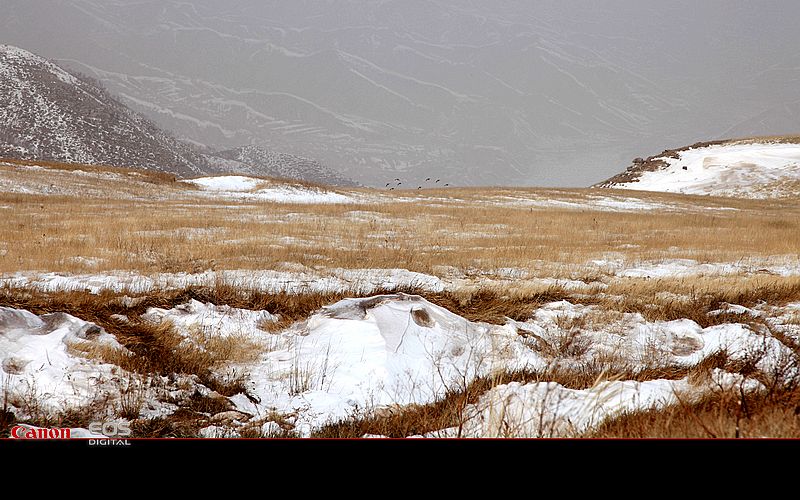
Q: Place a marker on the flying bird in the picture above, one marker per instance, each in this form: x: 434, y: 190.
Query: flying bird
x: 446, y: 184
x: 437, y: 180
x: 426, y: 180
x: 387, y: 184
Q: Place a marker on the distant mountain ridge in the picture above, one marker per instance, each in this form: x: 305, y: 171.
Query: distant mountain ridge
x: 261, y: 161
x: 765, y: 167
x: 50, y: 114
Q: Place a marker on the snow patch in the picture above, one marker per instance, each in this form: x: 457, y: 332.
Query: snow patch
x: 40, y: 360
x: 210, y: 320
x: 240, y: 187
x: 361, y: 281
x: 231, y: 183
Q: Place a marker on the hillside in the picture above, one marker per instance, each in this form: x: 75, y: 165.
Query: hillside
x: 263, y: 162
x: 48, y: 113
x: 749, y: 168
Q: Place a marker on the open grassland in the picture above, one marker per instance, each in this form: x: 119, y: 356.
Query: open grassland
x: 106, y: 221
x: 502, y: 244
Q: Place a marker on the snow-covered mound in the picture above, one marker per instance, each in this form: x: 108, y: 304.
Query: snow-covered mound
x: 41, y: 363
x: 740, y: 169
x: 402, y: 349
x: 49, y: 114
x: 230, y: 183
x: 54, y: 364
x: 359, y: 355
x: 241, y: 187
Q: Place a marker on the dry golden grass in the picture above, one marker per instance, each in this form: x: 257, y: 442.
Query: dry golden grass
x: 756, y: 139
x: 117, y: 224
x: 794, y: 318
x: 151, y: 176
x: 783, y: 139
x: 695, y: 298
x: 727, y: 414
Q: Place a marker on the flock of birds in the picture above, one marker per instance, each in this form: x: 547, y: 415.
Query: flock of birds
x: 399, y: 183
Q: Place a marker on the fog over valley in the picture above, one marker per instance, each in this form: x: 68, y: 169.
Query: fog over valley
x: 540, y: 93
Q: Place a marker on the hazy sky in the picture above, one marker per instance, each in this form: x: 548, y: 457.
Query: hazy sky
x: 480, y: 92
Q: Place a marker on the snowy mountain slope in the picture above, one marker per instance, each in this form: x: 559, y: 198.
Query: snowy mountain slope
x: 260, y: 161
x: 48, y: 113
x: 745, y: 168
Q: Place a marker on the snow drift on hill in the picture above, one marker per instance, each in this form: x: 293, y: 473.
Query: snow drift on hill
x: 240, y: 187
x: 361, y: 354
x: 39, y: 359
x: 757, y: 170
